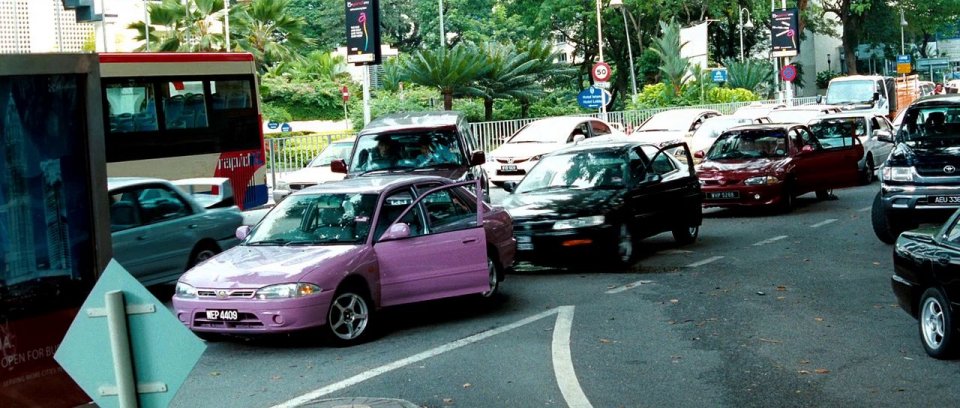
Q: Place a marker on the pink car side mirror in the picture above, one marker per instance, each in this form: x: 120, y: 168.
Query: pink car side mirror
x: 396, y: 231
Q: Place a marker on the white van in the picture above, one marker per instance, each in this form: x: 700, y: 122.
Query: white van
x: 875, y: 94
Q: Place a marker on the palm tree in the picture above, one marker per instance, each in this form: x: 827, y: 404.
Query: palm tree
x: 549, y: 72
x: 673, y: 67
x: 265, y: 29
x: 452, y: 71
x: 316, y: 66
x: 752, y: 74
x: 175, y: 26
x: 510, y: 74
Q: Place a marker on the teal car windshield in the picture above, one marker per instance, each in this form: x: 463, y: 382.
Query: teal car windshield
x: 581, y: 170
x: 407, y: 151
x: 933, y: 126
x: 317, y: 219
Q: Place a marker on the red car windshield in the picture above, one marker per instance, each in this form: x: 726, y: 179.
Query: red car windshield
x: 749, y: 144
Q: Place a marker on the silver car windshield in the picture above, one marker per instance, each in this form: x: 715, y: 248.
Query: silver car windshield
x: 317, y: 219
x: 407, y: 151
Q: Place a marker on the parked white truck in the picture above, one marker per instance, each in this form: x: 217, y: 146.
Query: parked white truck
x: 876, y: 94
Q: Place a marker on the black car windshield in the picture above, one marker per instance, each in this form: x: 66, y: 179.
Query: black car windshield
x: 836, y: 132
x: 932, y: 126
x: 409, y: 150
x: 316, y: 219
x: 333, y: 151
x: 580, y: 170
x: 749, y: 144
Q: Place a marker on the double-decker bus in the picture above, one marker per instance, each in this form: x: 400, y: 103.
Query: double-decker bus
x: 185, y: 115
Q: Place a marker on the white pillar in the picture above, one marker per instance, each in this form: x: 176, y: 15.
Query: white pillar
x: 366, y: 94
x: 226, y: 22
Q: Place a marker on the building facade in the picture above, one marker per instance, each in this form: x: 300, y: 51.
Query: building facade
x: 38, y: 26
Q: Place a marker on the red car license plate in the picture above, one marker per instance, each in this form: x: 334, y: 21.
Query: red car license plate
x: 723, y: 194
x: 222, y: 315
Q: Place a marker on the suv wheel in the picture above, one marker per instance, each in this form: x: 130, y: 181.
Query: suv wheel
x: 886, y: 226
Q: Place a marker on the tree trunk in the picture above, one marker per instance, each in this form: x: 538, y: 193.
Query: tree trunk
x: 447, y: 100
x: 849, y: 39
x: 488, y: 109
x: 524, y: 108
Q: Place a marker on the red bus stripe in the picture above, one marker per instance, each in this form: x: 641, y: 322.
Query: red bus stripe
x: 130, y: 57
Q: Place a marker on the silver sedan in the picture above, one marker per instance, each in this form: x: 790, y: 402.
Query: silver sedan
x: 159, y: 231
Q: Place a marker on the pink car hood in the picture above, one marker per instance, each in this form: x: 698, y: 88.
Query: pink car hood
x: 258, y: 266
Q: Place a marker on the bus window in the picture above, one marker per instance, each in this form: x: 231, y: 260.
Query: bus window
x: 231, y: 94
x: 185, y: 106
x: 132, y: 107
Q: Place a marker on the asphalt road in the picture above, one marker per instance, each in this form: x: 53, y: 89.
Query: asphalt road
x: 763, y: 310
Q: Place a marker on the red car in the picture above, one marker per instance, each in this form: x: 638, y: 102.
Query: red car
x: 771, y: 164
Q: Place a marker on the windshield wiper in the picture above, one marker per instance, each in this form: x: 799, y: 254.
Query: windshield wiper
x: 544, y: 189
x: 437, y: 166
x: 276, y: 241
x: 375, y: 171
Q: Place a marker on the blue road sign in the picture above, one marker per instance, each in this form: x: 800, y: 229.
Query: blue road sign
x: 164, y: 351
x: 285, y: 127
x: 592, y: 98
x: 903, y: 59
x: 272, y: 125
x: 719, y: 75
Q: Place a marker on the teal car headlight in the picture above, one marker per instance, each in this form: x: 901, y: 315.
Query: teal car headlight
x: 759, y: 181
x: 287, y: 291
x: 579, y: 222
x: 185, y: 291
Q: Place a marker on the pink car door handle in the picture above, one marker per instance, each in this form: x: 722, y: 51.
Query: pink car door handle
x: 469, y: 240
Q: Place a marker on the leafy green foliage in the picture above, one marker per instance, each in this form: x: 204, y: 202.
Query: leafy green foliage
x: 274, y: 113
x: 303, y: 100
x: 270, y: 33
x: 824, y: 77
x: 673, y: 67
x: 452, y: 71
x: 755, y: 75
x: 656, y: 96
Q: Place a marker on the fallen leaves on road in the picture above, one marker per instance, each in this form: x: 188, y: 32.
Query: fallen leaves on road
x: 770, y: 341
x: 448, y: 400
x: 215, y: 374
x: 781, y: 288
x: 605, y: 341
x: 467, y: 385
x: 674, y: 301
x: 781, y: 297
x: 804, y: 361
x: 877, y: 263
x: 819, y: 319
x: 822, y: 371
x: 803, y: 372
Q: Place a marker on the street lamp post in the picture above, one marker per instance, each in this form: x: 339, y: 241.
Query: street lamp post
x: 829, y: 68
x: 903, y: 23
x: 623, y: 10
x: 443, y: 37
x: 742, y: 26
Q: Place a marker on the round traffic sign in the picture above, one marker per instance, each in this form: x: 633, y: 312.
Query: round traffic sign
x: 345, y: 93
x: 788, y: 73
x: 601, y: 72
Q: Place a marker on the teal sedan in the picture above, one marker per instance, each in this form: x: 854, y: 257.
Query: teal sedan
x: 159, y: 231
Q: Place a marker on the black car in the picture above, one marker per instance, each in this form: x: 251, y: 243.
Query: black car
x: 927, y: 264
x: 920, y: 181
x: 597, y: 199
x: 425, y: 143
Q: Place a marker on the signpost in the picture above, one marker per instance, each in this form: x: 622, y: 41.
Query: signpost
x: 593, y: 98
x: 363, y: 31
x: 286, y: 127
x: 903, y: 64
x: 272, y: 125
x: 112, y: 349
x: 346, y: 96
x: 719, y: 75
x: 784, y: 38
x: 601, y: 72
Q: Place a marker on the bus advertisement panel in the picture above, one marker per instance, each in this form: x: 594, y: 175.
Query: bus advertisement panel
x: 185, y: 115
x: 48, y: 232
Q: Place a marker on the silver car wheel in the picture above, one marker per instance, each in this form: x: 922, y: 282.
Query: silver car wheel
x: 932, y: 323
x: 348, y: 316
x: 625, y: 245
x: 492, y: 280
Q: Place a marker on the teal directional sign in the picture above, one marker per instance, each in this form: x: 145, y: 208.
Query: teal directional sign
x: 163, y: 350
x: 719, y: 75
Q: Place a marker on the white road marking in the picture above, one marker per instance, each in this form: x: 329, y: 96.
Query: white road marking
x: 824, y: 222
x: 705, y: 261
x: 771, y: 240
x: 563, y: 362
x: 865, y: 209
x: 628, y: 286
x: 366, y: 375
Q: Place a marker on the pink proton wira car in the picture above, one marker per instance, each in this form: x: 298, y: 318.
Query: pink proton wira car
x: 331, y: 255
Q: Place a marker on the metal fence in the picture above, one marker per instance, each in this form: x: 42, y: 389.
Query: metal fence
x: 294, y: 152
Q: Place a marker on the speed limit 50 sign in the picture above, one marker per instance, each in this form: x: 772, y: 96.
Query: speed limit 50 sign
x: 601, y: 72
